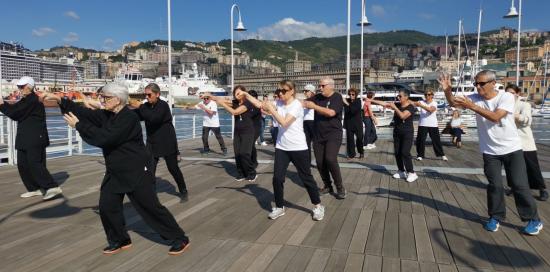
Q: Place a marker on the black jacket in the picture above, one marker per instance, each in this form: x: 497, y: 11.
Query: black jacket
x: 30, y: 114
x: 161, y: 135
x: 352, y: 114
x: 120, y: 138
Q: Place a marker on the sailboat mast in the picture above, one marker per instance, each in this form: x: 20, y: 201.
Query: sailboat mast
x: 478, y: 37
x: 458, y: 53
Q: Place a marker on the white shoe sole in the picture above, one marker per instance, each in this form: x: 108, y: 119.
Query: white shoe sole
x: 273, y: 218
x: 535, y: 233
x: 31, y: 195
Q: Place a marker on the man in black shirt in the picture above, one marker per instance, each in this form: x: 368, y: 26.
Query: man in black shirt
x: 327, y: 137
x: 161, y: 135
x: 31, y: 141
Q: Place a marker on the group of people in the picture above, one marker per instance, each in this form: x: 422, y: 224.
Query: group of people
x: 299, y: 127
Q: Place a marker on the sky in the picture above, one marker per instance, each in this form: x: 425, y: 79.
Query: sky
x: 107, y: 24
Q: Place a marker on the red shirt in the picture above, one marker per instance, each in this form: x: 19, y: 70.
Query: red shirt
x: 366, y: 108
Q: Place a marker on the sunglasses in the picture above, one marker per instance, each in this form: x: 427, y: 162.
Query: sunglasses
x: 149, y: 95
x: 352, y: 94
x: 429, y: 94
x: 283, y: 91
x: 481, y: 84
x: 398, y: 96
x: 105, y: 98
x: 20, y: 87
x: 323, y: 85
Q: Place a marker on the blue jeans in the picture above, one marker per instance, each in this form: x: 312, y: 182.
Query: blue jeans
x: 262, y: 129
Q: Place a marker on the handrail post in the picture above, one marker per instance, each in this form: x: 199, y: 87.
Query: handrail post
x: 70, y: 140
x: 1, y: 129
x: 194, y: 123
x: 79, y: 140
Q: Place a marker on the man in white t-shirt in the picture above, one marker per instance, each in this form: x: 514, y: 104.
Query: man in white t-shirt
x: 500, y: 144
x: 428, y: 125
x: 210, y: 121
x: 309, y: 116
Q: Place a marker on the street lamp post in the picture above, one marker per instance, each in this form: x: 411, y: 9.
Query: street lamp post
x: 240, y: 27
x: 363, y: 23
x: 513, y: 14
x: 348, y: 58
x: 170, y: 95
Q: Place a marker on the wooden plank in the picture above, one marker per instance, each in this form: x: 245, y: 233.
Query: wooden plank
x: 300, y: 261
x: 440, y: 247
x: 282, y: 259
x: 318, y: 260
x: 262, y: 261
x: 247, y: 258
x: 354, y: 262
x: 347, y: 230
x: 336, y: 262
x: 372, y: 263
x: 391, y: 264
x: 360, y: 235
x: 422, y: 239
x: 409, y: 265
x: 428, y: 267
x: 374, y: 243
x: 390, y: 246
x: 407, y: 248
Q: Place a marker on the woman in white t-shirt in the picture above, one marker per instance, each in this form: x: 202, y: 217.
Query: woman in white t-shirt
x: 428, y: 125
x: 456, y: 128
x: 291, y: 146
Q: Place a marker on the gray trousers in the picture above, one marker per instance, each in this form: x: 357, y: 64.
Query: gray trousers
x: 516, y: 174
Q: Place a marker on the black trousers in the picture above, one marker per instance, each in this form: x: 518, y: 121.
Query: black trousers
x: 421, y: 141
x: 274, y: 132
x: 326, y: 157
x: 354, y: 138
x: 516, y: 174
x: 242, y: 145
x: 457, y: 132
x: 302, y: 164
x: 534, y: 175
x: 173, y: 168
x: 217, y: 133
x: 254, y: 153
x: 145, y: 201
x: 309, y: 127
x: 370, y: 131
x: 402, y: 144
x: 31, y: 164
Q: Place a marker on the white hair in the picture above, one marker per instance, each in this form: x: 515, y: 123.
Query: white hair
x: 118, y: 90
x: 328, y: 80
x: 491, y: 76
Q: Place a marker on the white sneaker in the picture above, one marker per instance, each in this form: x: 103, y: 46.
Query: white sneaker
x: 319, y: 213
x: 418, y: 158
x: 399, y: 174
x: 276, y: 213
x: 252, y: 179
x: 31, y: 194
x: 52, y: 192
x: 444, y: 158
x: 264, y: 143
x: 412, y: 177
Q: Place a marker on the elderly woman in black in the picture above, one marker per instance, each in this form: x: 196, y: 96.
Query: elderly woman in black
x: 243, y: 134
x: 117, y: 131
x: 403, y: 133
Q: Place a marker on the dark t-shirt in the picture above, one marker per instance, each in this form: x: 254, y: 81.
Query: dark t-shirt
x: 407, y: 124
x: 243, y: 122
x: 328, y: 128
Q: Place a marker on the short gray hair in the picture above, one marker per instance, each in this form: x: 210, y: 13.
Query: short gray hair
x: 328, y: 79
x: 118, y: 90
x: 154, y: 87
x: 490, y: 75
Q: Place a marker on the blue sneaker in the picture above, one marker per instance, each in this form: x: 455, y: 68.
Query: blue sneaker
x: 492, y: 225
x: 533, y: 227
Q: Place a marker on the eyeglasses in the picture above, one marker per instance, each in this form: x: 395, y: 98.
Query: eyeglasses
x: 429, y: 94
x: 481, y: 84
x: 351, y: 94
x: 105, y: 98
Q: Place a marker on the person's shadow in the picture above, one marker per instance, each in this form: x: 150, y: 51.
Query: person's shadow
x: 263, y: 196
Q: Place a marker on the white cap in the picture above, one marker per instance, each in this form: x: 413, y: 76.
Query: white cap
x: 25, y: 80
x: 309, y: 87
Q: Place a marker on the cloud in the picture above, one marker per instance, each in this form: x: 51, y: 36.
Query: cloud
x: 72, y: 14
x: 71, y: 37
x: 108, y: 44
x: 378, y: 10
x: 43, y: 31
x: 426, y: 16
x: 289, y: 29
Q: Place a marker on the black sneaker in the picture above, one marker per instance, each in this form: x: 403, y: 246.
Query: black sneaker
x: 205, y: 151
x: 184, y: 196
x: 341, y: 194
x: 361, y: 156
x: 114, y: 248
x: 326, y: 190
x: 178, y: 247
x: 224, y: 152
x: 543, y: 195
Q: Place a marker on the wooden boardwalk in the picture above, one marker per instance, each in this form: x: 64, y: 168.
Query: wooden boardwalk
x: 434, y: 224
